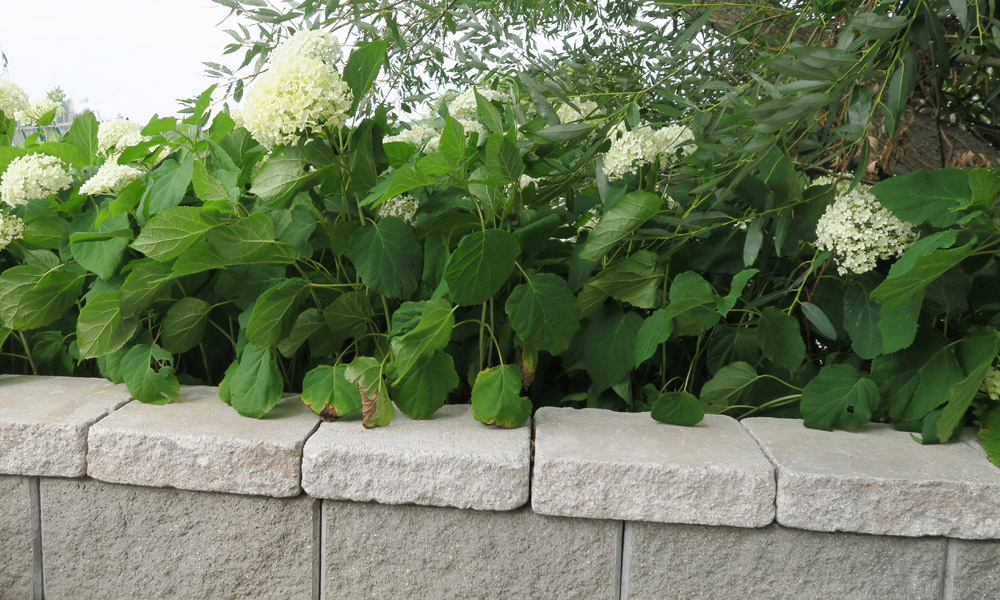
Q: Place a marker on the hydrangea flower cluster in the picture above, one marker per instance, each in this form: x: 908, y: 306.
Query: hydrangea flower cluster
x: 11, y: 228
x: 35, y: 111
x: 642, y: 146
x: 464, y: 105
x: 991, y: 384
x: 568, y: 114
x: 859, y: 230
x: 417, y: 134
x: 403, y: 206
x: 118, y: 134
x: 300, y: 92
x: 110, y: 178
x: 12, y: 98
x: 31, y: 177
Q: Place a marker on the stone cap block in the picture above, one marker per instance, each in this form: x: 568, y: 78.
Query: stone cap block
x: 879, y: 481
x: 449, y: 460
x: 200, y: 443
x: 44, y: 422
x: 604, y: 465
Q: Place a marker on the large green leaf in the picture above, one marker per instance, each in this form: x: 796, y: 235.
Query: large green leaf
x: 173, y: 231
x: 620, y: 221
x: 989, y: 435
x: 274, y: 313
x: 839, y: 397
x: 250, y: 240
x: 49, y: 299
x: 306, y: 325
x: 184, y: 324
x: 655, y: 330
x: 388, y: 257
x: 143, y: 284
x: 921, y: 264
x: 543, y: 312
x: 917, y: 380
x: 431, y: 333
x: 677, y: 408
x: 933, y: 197
x: 976, y: 353
x: 148, y: 384
x: 480, y: 266
x: 861, y: 320
x: 168, y: 183
x: 728, y: 385
x: 898, y: 324
x: 83, y: 134
x: 15, y: 282
x: 101, y: 327
x: 405, y: 179
x: 693, y: 304
x: 503, y: 163
x: 635, y: 280
x: 609, y: 346
x: 287, y: 170
x: 779, y: 338
x: 362, y: 68
x: 425, y: 387
x: 101, y: 256
x: 256, y: 384
x: 497, y: 399
x: 348, y: 316
x: 327, y: 392
x: 376, y: 405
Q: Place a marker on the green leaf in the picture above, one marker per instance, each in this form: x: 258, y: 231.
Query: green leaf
x: 388, y: 257
x: 620, y: 221
x: 83, y: 134
x: 609, y: 346
x: 250, y: 240
x: 142, y: 285
x: 915, y: 270
x: 753, y: 242
x: 274, y: 312
x: 145, y: 383
x: 678, y: 408
x: 207, y: 187
x: 544, y: 313
x: 989, y: 435
x: 348, y: 316
x: 480, y: 266
x: 739, y: 283
x: 725, y: 389
x: 184, y: 324
x: 256, y: 384
x: 306, y: 324
x: 327, y: 392
x: 693, y: 304
x: 101, y: 327
x: 405, y: 179
x: 503, y: 162
x: 14, y: 284
x: 497, y: 399
x: 819, y: 320
x: 432, y: 333
x: 976, y: 353
x: 566, y: 132
x: 861, y: 321
x: 46, y: 231
x: 655, y: 330
x: 54, y: 294
x: 362, y: 68
x: 376, y: 405
x: 424, y: 389
x: 779, y: 338
x: 102, y: 256
x: 934, y: 197
x: 435, y: 164
x: 488, y: 114
x: 70, y: 154
x: 898, y: 324
x: 168, y: 183
x: 173, y: 231
x: 453, y: 140
x: 915, y: 381
x: 984, y: 185
x: 287, y: 170
x: 635, y: 281
x: 839, y: 397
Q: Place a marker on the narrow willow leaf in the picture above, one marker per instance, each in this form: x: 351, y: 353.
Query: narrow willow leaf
x: 839, y: 397
x: 329, y: 394
x: 497, y: 399
x: 184, y: 324
x: 819, y: 320
x: 677, y: 408
x: 544, y: 313
x: 480, y: 266
x: 424, y: 389
x: 620, y: 221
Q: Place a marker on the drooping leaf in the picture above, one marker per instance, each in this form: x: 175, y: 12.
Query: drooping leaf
x: 288, y: 170
x: 976, y: 353
x: 934, y: 197
x: 898, y: 324
x: 779, y: 338
x: 544, y: 313
x: 148, y: 384
x: 861, y: 320
x: 101, y: 327
x: 917, y: 380
x: 678, y: 408
x: 274, y: 312
x: 168, y: 183
x: 256, y: 384
x: 635, y: 280
x: 609, y: 346
x: 306, y: 324
x: 49, y: 299
x: 424, y: 389
x: 839, y: 397
x: 327, y: 392
x: 819, y: 320
x: 620, y: 221
x: 376, y: 405
x: 497, y: 399
x: 173, y: 231
x: 728, y: 385
x: 921, y: 264
x: 184, y: 324
x: 693, y: 304
x: 655, y: 330
x: 480, y: 266
x: 431, y: 334
x: 388, y: 257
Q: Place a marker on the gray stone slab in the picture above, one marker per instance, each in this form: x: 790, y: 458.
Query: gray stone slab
x: 600, y: 464
x: 880, y: 481
x: 375, y: 551
x: 16, y: 537
x: 450, y: 460
x: 44, y: 422
x: 974, y: 570
x: 697, y: 562
x: 102, y: 541
x: 200, y: 443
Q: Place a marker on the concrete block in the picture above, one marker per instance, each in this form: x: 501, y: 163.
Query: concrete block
x: 878, y: 480
x: 450, y: 460
x: 102, y: 540
x: 974, y: 570
x: 600, y: 464
x: 375, y: 551
x: 200, y: 443
x: 697, y: 562
x: 17, y: 538
x: 44, y: 422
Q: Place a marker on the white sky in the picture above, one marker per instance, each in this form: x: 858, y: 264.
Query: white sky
x: 116, y: 57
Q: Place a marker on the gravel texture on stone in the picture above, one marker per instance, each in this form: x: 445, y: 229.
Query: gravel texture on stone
x: 600, y: 464
x: 878, y: 480
x: 104, y: 541
x: 776, y: 563
x: 200, y: 443
x: 450, y: 460
x: 16, y: 535
x: 377, y: 551
x: 44, y: 422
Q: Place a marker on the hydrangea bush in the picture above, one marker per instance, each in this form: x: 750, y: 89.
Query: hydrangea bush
x: 513, y: 248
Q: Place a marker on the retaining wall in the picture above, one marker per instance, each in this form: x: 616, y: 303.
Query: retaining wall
x: 102, y: 497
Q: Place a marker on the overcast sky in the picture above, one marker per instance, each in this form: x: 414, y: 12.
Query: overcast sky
x: 117, y: 57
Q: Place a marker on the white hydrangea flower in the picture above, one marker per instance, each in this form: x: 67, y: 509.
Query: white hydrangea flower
x: 464, y: 105
x: 38, y: 109
x: 403, y: 206
x: 318, y: 45
x: 568, y: 114
x: 470, y: 126
x: 31, y: 177
x: 110, y: 178
x: 298, y: 95
x: 118, y: 134
x: 991, y: 384
x: 417, y: 134
x: 12, y: 98
x: 11, y: 228
x: 526, y: 180
x: 859, y: 230
x: 673, y: 204
x: 642, y: 146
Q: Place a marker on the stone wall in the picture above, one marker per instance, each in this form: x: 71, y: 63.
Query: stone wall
x: 102, y: 497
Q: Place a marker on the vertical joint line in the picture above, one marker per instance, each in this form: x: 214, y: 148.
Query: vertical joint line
x: 624, y: 558
x: 948, y: 577
x: 38, y: 573
x: 317, y: 557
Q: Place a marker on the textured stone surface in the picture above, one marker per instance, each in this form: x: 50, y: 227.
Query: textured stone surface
x: 44, y: 422
x: 600, y: 464
x: 16, y: 534
x: 974, y: 570
x: 400, y: 552
x: 880, y: 481
x: 200, y: 443
x: 450, y: 460
x: 103, y: 541
x: 697, y: 562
